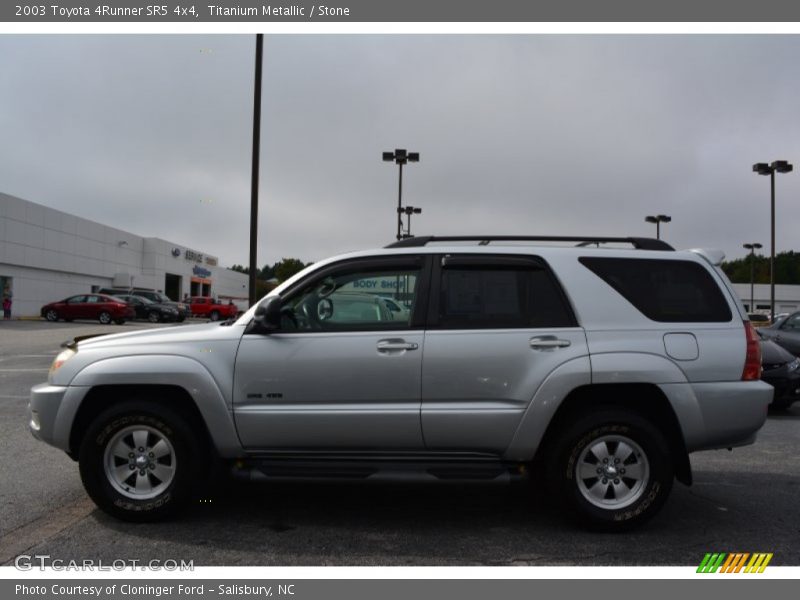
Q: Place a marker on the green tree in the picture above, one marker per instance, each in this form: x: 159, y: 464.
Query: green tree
x: 286, y: 267
x: 787, y: 268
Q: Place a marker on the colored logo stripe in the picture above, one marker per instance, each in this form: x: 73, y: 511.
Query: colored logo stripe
x: 734, y: 562
x: 711, y: 563
x: 758, y: 563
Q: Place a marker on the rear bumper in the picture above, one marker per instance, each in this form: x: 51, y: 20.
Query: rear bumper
x: 719, y: 414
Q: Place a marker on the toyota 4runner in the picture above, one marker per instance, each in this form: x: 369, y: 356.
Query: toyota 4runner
x: 592, y: 371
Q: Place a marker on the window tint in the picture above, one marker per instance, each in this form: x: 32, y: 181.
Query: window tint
x: 668, y: 291
x: 500, y: 297
x: 354, y: 301
x: 76, y: 299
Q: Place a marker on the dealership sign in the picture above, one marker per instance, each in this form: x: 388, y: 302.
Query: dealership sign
x: 201, y: 272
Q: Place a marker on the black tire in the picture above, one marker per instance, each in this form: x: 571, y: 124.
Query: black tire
x: 214, y: 316
x: 153, y: 317
x: 181, y: 319
x: 620, y: 490
x: 128, y: 499
x: 104, y: 318
x: 120, y: 321
x: 51, y: 315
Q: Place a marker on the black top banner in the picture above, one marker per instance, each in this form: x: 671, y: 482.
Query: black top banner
x: 358, y: 11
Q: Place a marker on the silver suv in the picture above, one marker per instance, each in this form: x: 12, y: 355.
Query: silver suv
x: 591, y: 371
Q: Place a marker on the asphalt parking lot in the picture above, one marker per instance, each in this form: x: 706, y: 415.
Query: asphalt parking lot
x: 742, y: 501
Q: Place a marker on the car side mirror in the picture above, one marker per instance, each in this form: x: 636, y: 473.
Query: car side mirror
x: 268, y: 314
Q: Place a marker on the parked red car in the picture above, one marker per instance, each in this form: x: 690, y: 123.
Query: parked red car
x: 208, y: 308
x: 89, y: 306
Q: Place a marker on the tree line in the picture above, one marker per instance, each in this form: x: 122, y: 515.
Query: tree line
x: 787, y: 268
x: 269, y: 276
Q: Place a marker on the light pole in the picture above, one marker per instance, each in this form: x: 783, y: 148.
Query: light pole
x: 251, y: 277
x: 752, y: 247
x: 658, y: 219
x: 401, y: 157
x: 780, y: 166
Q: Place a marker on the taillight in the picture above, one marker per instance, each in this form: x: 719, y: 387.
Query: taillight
x: 752, y: 360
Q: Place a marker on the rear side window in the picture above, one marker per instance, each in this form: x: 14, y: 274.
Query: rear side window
x: 500, y: 296
x: 669, y: 291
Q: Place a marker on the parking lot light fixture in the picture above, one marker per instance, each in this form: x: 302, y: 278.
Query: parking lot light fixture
x: 777, y: 166
x: 752, y: 247
x: 401, y: 157
x: 658, y: 219
x: 408, y: 211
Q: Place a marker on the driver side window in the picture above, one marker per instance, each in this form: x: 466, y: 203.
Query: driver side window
x: 349, y: 300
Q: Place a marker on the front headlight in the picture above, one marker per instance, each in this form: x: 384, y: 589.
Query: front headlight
x: 62, y: 357
x: 794, y: 365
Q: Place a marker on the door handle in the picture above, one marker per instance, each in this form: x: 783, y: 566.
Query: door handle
x: 390, y: 345
x: 548, y: 342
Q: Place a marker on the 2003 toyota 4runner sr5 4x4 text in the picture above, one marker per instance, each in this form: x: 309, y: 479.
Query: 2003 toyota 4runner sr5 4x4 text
x: 598, y: 369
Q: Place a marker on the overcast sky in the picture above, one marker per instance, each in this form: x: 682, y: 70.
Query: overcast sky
x: 522, y: 134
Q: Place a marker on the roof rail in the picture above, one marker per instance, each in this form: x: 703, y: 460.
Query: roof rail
x: 639, y: 243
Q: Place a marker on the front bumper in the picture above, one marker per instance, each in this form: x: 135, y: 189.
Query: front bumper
x: 45, y: 400
x: 785, y: 382
x: 51, y: 412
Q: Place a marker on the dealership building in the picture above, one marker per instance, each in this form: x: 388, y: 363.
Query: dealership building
x: 48, y: 255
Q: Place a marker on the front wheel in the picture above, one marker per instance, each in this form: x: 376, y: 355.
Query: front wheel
x: 139, y: 461
x: 51, y: 315
x: 612, y: 470
x: 214, y: 316
x: 104, y: 318
x: 153, y: 317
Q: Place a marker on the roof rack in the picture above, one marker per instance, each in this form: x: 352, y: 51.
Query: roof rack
x: 639, y: 243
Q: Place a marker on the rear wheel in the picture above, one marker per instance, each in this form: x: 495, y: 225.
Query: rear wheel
x: 152, y: 316
x: 104, y: 317
x: 214, y: 316
x: 139, y: 461
x: 611, y: 470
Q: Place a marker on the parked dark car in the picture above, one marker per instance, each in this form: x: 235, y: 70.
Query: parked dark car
x: 152, y: 311
x: 89, y: 306
x: 159, y: 297
x: 785, y: 332
x: 781, y: 369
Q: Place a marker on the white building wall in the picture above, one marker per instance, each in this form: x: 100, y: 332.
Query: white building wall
x: 787, y: 297
x: 51, y: 255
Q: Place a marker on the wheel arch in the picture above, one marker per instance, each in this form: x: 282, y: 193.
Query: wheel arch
x: 644, y: 399
x: 101, y: 397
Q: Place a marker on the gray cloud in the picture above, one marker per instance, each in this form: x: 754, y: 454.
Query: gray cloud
x: 536, y: 134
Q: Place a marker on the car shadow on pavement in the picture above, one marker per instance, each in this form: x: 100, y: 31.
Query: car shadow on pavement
x: 354, y: 524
